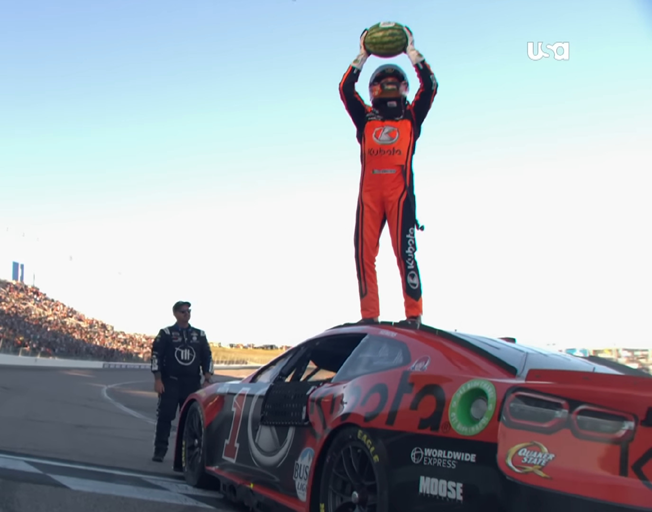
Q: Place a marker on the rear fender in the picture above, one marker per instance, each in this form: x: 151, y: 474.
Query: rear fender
x: 577, y: 433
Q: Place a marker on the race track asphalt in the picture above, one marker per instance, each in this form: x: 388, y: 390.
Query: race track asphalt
x: 79, y: 440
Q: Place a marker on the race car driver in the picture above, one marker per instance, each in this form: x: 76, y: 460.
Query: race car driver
x: 387, y: 132
x: 179, y: 352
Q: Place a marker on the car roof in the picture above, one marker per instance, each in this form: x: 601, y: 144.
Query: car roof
x: 516, y: 359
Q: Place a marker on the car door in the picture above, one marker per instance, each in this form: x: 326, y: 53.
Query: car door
x: 278, y: 431
x: 228, y: 435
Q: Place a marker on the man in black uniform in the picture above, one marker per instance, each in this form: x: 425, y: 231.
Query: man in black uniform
x: 179, y: 352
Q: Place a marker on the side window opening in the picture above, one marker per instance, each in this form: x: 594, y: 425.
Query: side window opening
x: 313, y: 365
x: 323, y: 359
x: 373, y: 354
x: 335, y: 359
x: 269, y: 373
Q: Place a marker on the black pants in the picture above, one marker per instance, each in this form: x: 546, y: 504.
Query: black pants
x: 175, y: 394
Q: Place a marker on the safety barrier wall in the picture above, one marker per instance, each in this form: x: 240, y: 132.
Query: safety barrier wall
x: 47, y: 362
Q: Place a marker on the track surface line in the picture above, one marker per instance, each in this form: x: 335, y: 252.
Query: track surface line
x: 72, y: 441
x: 24, y: 459
x: 124, y: 408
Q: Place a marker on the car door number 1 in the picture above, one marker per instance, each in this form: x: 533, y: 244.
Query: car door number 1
x: 231, y: 446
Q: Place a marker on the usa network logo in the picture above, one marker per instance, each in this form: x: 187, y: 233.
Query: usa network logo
x: 540, y: 53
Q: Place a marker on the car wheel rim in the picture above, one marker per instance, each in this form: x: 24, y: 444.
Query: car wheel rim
x: 194, y: 433
x: 352, y: 484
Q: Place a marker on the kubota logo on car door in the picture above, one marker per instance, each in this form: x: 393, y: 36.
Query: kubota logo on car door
x: 386, y: 135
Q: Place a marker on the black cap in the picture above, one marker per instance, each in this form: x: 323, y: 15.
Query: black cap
x: 178, y: 305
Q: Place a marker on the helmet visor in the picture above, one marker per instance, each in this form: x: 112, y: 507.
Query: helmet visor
x: 388, y: 88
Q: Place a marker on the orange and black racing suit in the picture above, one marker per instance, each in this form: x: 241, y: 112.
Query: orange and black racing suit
x: 386, y: 195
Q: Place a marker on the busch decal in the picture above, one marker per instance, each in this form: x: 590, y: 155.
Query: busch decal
x: 302, y: 472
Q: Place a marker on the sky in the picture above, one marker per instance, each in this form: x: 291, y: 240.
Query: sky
x: 154, y: 151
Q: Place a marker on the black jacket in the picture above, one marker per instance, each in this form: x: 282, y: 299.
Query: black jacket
x: 178, y: 352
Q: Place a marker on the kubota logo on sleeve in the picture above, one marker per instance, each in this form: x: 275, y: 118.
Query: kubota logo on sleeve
x: 529, y: 458
x: 386, y: 135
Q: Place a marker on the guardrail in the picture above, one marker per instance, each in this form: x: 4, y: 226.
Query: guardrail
x: 49, y: 362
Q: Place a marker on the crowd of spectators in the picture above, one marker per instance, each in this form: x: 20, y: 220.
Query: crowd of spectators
x: 33, y: 324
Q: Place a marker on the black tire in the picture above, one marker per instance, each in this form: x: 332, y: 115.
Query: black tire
x: 364, y: 474
x: 193, y: 450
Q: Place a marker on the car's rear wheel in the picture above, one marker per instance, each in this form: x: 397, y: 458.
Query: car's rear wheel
x: 193, y: 449
x: 353, y: 477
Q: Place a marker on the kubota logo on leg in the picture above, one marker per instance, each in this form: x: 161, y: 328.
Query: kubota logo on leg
x: 412, y: 275
x: 413, y: 280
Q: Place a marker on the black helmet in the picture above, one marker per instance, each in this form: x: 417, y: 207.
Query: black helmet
x: 388, y: 82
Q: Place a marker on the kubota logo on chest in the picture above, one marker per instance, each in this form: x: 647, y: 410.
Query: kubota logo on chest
x: 384, y: 152
x: 386, y: 135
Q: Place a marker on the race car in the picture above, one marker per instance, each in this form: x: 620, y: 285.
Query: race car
x: 391, y: 417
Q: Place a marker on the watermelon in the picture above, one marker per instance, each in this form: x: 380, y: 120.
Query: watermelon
x: 386, y: 39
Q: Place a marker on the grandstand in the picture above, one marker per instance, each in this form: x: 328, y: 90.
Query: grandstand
x: 31, y: 323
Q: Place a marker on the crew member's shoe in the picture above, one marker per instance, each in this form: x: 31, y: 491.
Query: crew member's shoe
x: 368, y: 321
x: 159, y: 454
